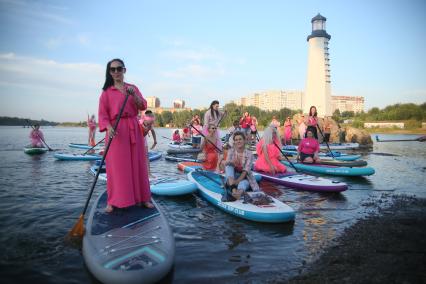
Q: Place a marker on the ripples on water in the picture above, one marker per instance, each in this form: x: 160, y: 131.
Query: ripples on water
x: 41, y: 199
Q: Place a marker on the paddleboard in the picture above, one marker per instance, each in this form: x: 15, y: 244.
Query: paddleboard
x: 77, y: 157
x: 274, y: 212
x: 83, y: 146
x: 305, y: 182
x: 333, y: 146
x: 173, y: 158
x: 175, y: 188
x: 35, y: 150
x: 337, y: 155
x: 154, y: 155
x: 332, y: 170
x: 131, y: 245
x: 183, y: 150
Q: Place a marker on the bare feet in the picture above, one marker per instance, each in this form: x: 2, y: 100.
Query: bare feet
x: 148, y: 204
x: 109, y: 209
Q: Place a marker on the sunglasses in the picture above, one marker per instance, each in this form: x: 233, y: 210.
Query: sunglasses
x: 213, y: 128
x: 118, y: 69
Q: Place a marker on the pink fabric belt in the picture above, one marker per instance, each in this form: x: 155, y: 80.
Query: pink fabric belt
x: 126, y: 118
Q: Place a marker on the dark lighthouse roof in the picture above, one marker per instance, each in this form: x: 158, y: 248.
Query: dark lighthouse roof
x: 318, y: 33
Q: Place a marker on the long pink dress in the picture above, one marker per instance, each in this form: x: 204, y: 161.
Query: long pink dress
x: 36, y: 137
x: 273, y: 153
x: 126, y: 161
x: 287, y: 131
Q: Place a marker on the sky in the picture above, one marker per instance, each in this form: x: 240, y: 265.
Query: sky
x: 53, y: 54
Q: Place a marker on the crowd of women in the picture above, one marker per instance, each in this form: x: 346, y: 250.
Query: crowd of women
x: 128, y: 168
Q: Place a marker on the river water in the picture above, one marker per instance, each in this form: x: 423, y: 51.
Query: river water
x: 41, y: 200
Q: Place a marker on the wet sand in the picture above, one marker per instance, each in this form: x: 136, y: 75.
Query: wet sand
x: 389, y: 247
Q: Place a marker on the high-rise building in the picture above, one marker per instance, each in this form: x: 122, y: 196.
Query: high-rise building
x: 318, y: 82
x: 153, y: 102
x: 273, y: 100
x: 346, y: 103
x: 179, y: 103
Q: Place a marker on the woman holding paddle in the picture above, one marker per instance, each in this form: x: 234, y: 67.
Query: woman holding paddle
x: 312, y: 122
x: 210, y: 148
x: 91, y: 122
x: 238, y: 163
x: 36, y: 137
x: 269, y: 156
x: 127, y: 171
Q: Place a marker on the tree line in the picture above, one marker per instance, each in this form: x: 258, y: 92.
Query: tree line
x: 413, y: 113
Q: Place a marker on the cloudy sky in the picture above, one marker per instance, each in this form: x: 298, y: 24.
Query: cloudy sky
x: 53, y: 53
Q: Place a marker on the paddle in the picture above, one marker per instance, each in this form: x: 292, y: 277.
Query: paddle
x: 420, y: 139
x: 166, y: 137
x: 41, y: 138
x: 285, y: 156
x: 328, y: 146
x: 91, y: 148
x: 77, y: 231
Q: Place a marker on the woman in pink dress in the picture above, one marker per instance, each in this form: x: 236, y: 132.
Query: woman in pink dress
x: 91, y: 122
x: 287, y: 131
x: 269, y: 156
x: 127, y: 171
x: 36, y: 137
x: 312, y: 121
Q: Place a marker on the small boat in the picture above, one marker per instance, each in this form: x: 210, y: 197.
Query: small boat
x: 35, y: 150
x: 128, y: 245
x: 208, y: 184
x: 83, y: 146
x: 305, y: 182
x: 331, y: 170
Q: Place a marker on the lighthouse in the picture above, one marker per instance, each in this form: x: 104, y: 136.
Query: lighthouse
x: 318, y: 82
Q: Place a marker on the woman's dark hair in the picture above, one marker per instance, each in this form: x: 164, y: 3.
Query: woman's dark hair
x: 148, y: 112
x: 108, y: 78
x: 310, y: 111
x: 214, y: 113
x: 238, y: 133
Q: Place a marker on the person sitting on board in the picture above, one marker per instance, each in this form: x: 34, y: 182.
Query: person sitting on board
x: 36, y: 137
x: 146, y: 124
x: 210, y: 148
x: 269, y: 156
x: 308, y: 148
x: 176, y: 137
x: 238, y: 174
x: 128, y: 182
x: 186, y: 137
x: 91, y: 122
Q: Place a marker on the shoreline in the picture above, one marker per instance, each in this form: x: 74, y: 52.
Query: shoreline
x: 387, y: 247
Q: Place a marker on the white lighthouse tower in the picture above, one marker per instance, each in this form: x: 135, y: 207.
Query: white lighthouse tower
x: 318, y: 83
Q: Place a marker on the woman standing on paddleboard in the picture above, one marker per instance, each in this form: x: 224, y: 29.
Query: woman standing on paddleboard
x: 213, y: 116
x: 312, y: 121
x: 127, y: 171
x: 91, y: 122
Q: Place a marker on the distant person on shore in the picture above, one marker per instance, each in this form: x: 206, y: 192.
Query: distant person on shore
x: 312, y: 121
x: 274, y: 122
x: 91, y: 123
x: 302, y: 126
x: 213, y: 116
x: 326, y: 129
x: 36, y: 137
x: 196, y: 137
x: 209, y: 148
x: 287, y: 131
x: 308, y: 148
x: 176, y: 137
x: 146, y: 124
x: 342, y: 134
x: 238, y: 174
x: 127, y: 171
x: 268, y: 155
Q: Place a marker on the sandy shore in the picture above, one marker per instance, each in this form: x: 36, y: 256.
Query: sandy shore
x: 389, y: 247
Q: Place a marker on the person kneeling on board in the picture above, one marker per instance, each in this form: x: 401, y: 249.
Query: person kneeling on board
x: 239, y: 177
x: 308, y: 149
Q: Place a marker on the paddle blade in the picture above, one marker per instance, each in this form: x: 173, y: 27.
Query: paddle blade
x: 77, y: 232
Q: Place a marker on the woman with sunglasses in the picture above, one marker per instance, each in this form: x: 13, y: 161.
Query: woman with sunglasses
x: 209, y: 148
x: 269, y: 155
x: 127, y: 170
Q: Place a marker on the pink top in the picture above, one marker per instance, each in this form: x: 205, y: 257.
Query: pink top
x: 176, y: 138
x: 312, y: 121
x: 36, y: 137
x: 195, y: 132
x: 92, y: 124
x: 309, y: 145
